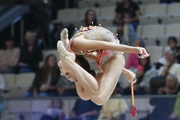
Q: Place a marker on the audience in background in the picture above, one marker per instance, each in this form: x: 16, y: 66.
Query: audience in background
x: 164, y: 106
x: 30, y: 55
x: 66, y: 87
x: 171, y: 67
x: 175, y: 115
x: 155, y: 84
x: 129, y: 32
x: 144, y: 74
x: 133, y: 60
x: 173, y: 45
x: 46, y: 79
x: 115, y: 108
x: 84, y: 110
x: 9, y: 57
x: 127, y: 6
x: 54, y: 112
x: 90, y: 18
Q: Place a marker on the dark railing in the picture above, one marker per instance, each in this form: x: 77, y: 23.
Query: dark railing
x: 149, y: 106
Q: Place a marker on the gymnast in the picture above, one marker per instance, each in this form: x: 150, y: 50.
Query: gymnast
x: 101, y: 45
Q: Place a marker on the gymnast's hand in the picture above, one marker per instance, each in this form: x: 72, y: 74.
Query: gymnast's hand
x: 142, y: 53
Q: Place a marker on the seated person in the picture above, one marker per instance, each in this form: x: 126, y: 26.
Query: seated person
x: 129, y: 32
x: 9, y: 57
x: 173, y: 45
x: 84, y: 110
x: 127, y: 6
x: 144, y: 74
x: 66, y: 87
x: 114, y: 108
x: 46, y: 79
x: 90, y: 17
x: 30, y: 55
x: 171, y: 67
x: 133, y: 60
x: 54, y: 112
x: 164, y: 106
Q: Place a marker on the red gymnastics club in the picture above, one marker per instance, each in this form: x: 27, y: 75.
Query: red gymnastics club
x: 133, y: 108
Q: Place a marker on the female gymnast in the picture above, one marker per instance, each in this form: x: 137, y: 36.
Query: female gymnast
x: 97, y: 43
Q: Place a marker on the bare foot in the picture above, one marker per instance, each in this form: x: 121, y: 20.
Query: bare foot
x: 64, y: 36
x: 63, y: 53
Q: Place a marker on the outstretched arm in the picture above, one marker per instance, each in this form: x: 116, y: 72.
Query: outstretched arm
x: 84, y: 44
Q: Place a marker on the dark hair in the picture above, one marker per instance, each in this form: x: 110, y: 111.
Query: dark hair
x: 86, y: 18
x: 46, y: 69
x: 172, y: 38
x: 85, y: 64
x: 9, y: 39
x: 148, y: 64
x: 60, y: 102
x: 146, y: 68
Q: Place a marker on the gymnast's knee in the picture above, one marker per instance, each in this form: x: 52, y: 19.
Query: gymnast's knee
x: 99, y: 100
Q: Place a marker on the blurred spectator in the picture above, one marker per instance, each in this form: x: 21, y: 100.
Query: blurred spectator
x: 115, y: 108
x: 90, y: 18
x: 129, y: 32
x: 155, y: 84
x: 171, y: 67
x: 39, y: 37
x: 133, y: 60
x: 143, y: 75
x: 46, y: 79
x: 30, y: 55
x: 176, y: 112
x: 127, y: 6
x: 164, y: 106
x: 170, y: 86
x: 173, y: 45
x: 54, y: 112
x: 9, y: 57
x: 66, y: 87
x: 84, y: 110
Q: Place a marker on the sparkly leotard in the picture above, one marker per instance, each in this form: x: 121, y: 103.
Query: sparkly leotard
x: 100, y: 34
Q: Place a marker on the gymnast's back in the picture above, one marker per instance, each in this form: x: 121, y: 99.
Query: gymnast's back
x: 97, y: 33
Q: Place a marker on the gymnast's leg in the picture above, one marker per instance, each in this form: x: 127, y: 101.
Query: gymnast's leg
x: 101, y: 88
x: 81, y: 92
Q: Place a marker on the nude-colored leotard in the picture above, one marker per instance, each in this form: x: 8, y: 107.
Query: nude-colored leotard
x: 97, y: 33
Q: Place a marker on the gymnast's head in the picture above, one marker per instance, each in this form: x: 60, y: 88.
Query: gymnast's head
x: 79, y: 60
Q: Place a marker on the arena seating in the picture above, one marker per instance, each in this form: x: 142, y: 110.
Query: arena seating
x: 157, y: 23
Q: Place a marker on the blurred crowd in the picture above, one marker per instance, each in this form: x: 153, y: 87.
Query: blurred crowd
x: 160, y: 78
